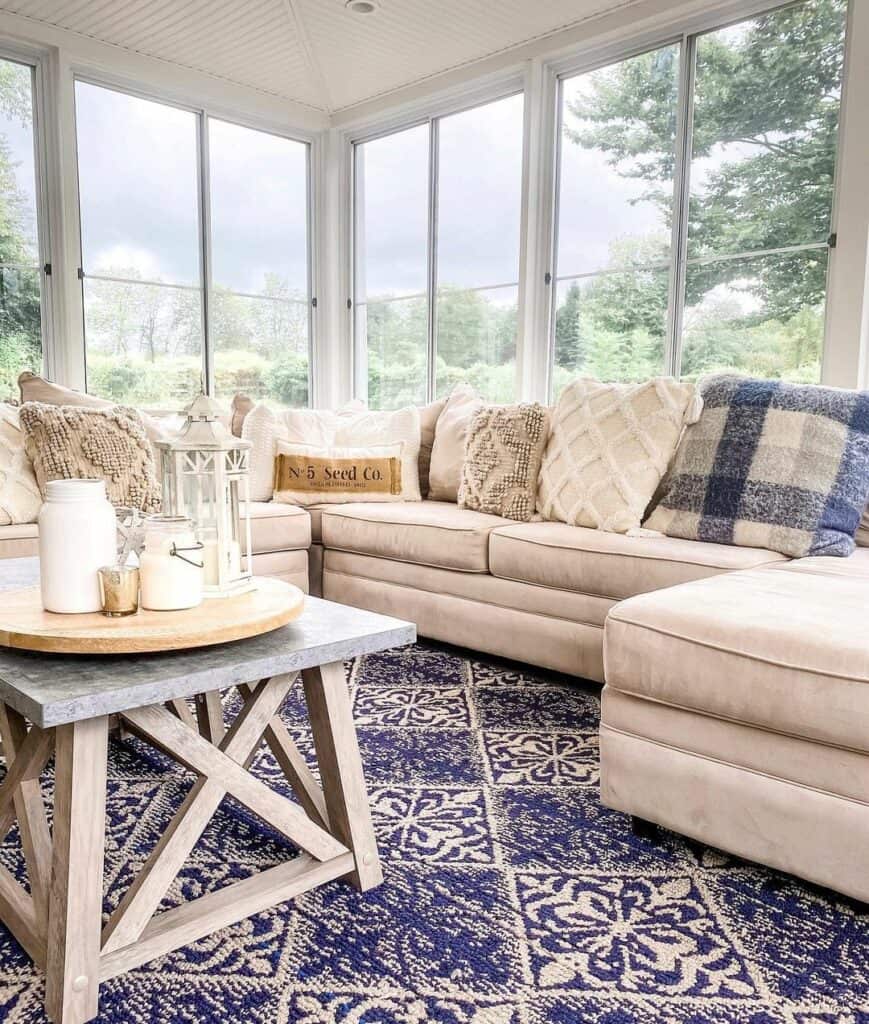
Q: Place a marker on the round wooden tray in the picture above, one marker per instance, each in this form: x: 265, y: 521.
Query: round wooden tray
x: 25, y: 625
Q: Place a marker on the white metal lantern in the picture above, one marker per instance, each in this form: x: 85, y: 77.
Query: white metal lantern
x: 205, y: 472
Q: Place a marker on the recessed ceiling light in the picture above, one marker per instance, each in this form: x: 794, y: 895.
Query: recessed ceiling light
x: 362, y: 6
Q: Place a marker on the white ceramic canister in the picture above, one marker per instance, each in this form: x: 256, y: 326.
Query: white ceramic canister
x: 171, y: 566
x: 77, y: 537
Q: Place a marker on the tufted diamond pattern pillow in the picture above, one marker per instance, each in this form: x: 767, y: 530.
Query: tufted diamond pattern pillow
x: 66, y: 442
x: 609, y: 447
x: 20, y: 499
x: 502, y: 460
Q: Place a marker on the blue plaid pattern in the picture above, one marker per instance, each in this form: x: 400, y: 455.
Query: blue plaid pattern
x: 771, y: 465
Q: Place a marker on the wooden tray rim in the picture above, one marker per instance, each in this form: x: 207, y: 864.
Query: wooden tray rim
x: 59, y: 633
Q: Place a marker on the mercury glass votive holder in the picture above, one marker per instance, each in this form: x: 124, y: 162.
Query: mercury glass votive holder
x: 119, y: 589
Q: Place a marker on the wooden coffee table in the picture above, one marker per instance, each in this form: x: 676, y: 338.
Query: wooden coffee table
x: 61, y: 705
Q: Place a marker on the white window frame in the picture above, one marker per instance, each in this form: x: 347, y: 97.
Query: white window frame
x: 205, y: 113
x: 38, y: 60
x: 591, y: 58
x: 502, y: 87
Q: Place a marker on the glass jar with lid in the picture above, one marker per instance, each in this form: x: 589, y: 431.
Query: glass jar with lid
x: 171, y: 566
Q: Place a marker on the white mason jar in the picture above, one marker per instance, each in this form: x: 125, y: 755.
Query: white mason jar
x: 77, y: 537
x: 171, y: 566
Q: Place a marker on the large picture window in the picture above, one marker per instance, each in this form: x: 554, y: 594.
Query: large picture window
x: 437, y: 256
x: 21, y: 265
x: 167, y: 305
x: 692, y: 229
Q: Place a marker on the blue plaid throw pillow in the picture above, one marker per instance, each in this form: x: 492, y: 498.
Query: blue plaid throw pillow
x: 771, y: 465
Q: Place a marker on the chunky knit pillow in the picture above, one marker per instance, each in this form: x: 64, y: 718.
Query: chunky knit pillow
x: 502, y: 460
x: 771, y: 465
x: 609, y: 448
x: 67, y: 442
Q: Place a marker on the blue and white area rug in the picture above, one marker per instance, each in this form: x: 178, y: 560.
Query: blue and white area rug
x: 511, y: 896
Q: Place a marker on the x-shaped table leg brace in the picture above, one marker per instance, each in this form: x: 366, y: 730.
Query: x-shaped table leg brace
x: 222, y: 772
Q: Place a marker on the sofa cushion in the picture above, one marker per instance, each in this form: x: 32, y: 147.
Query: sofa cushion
x: 609, y: 565
x: 273, y: 528
x: 20, y: 499
x: 783, y: 649
x: 450, y: 438
x: 276, y: 527
x: 424, y: 532
x: 428, y: 418
x: 19, y: 540
x: 34, y: 388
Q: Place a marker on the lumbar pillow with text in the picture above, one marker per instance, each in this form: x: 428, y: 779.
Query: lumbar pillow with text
x: 609, y: 447
x: 20, y: 499
x: 450, y: 439
x: 263, y: 426
x: 502, y: 460
x: 772, y: 465
x: 353, y: 426
x: 308, y: 474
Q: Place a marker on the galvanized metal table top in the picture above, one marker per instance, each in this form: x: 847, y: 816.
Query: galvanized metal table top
x: 51, y: 689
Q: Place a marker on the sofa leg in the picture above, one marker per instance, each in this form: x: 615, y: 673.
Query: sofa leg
x: 643, y: 829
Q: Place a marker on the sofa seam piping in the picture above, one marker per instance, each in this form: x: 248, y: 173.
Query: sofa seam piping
x: 738, y: 654
x: 731, y: 764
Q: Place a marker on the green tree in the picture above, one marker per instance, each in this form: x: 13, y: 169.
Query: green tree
x: 766, y: 109
x: 20, y: 336
x: 569, y: 342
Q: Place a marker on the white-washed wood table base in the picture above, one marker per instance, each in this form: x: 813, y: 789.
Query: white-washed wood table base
x: 59, y: 923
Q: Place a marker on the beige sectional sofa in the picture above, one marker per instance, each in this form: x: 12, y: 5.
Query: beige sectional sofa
x: 736, y: 704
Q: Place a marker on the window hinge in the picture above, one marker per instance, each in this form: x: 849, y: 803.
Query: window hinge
x: 47, y: 269
x: 314, y: 302
x: 831, y: 241
x: 547, y: 278
x: 349, y: 303
x: 80, y: 274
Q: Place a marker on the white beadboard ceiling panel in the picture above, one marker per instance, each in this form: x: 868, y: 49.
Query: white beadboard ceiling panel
x: 314, y: 51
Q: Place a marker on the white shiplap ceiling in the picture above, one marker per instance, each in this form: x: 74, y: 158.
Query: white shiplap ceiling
x: 314, y: 52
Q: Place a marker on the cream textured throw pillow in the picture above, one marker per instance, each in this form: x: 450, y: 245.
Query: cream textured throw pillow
x: 67, y: 442
x: 609, y: 447
x: 308, y: 474
x: 450, y: 438
x: 20, y: 499
x: 502, y: 460
x: 34, y: 388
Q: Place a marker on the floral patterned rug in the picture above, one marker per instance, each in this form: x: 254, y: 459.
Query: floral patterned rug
x: 511, y: 895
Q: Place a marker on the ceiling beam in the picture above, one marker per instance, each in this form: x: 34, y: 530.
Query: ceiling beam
x: 292, y: 8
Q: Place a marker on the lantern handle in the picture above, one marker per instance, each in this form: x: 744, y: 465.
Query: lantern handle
x: 176, y: 551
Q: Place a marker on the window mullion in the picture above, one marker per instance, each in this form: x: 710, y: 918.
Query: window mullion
x: 681, y: 197
x: 204, y: 182
x: 433, y: 155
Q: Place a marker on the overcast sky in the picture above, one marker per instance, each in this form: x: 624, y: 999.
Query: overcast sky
x: 139, y: 208
x: 138, y: 184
